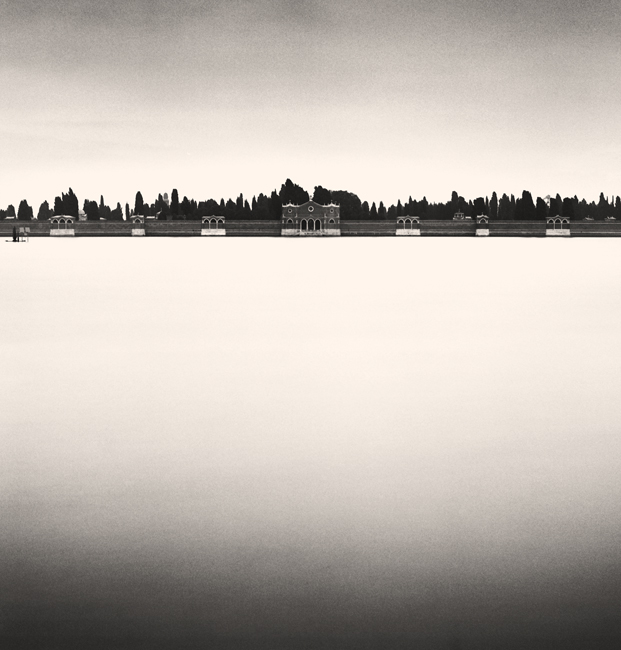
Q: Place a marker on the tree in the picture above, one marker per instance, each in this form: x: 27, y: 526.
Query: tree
x: 292, y: 193
x: 568, y: 208
x: 528, y: 207
x: 381, y: 211
x: 275, y: 204
x: 117, y: 213
x: 373, y: 212
x: 104, y: 210
x: 541, y: 210
x: 350, y: 205
x: 24, y: 212
x: 44, y: 211
x: 479, y: 207
x: 174, y: 203
x: 603, y: 208
x: 261, y: 211
x: 555, y: 206
x: 504, y: 208
x: 230, y: 209
x: 10, y: 211
x: 239, y: 207
x: 58, y: 206
x: 365, y: 210
x: 139, y: 204
x: 322, y: 195
x: 70, y: 204
x: 421, y: 208
x: 92, y: 210
x: 186, y: 207
x: 127, y: 212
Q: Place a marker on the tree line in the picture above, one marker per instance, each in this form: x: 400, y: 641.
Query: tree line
x: 266, y: 207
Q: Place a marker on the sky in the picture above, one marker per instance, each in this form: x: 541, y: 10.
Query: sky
x: 385, y: 98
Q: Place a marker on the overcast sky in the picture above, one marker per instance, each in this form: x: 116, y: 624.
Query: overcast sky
x: 385, y: 98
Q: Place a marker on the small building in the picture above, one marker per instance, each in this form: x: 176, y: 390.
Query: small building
x: 557, y: 226
x: 408, y: 226
x: 62, y: 226
x: 458, y: 216
x: 213, y: 226
x: 137, y: 225
x: 482, y: 226
x: 82, y: 215
x: 311, y: 219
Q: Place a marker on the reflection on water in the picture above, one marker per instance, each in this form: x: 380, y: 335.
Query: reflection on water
x: 344, y: 443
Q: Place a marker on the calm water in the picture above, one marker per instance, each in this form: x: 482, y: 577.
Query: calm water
x: 366, y: 443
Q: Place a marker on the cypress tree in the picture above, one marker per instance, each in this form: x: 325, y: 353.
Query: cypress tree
x: 24, y: 211
x: 528, y: 207
x: 44, y: 211
x: 139, y: 204
x: 174, y: 203
x: 541, y: 210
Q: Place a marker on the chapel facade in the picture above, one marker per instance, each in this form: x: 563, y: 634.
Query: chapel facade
x: 311, y: 219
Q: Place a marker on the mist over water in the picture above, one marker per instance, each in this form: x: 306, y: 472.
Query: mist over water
x: 265, y: 443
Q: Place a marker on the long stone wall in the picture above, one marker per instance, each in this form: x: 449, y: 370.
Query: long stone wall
x: 367, y: 228
x: 517, y: 228
x: 595, y: 228
x: 37, y: 228
x: 465, y: 228
x: 192, y: 228
x: 253, y: 228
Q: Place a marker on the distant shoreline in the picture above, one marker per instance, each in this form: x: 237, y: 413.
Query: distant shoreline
x: 273, y: 228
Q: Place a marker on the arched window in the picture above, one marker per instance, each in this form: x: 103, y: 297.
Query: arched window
x: 303, y: 225
x: 311, y: 224
x: 220, y: 223
x: 332, y: 221
x: 289, y: 221
x: 317, y: 225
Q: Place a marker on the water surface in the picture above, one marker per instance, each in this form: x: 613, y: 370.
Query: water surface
x: 265, y: 443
